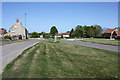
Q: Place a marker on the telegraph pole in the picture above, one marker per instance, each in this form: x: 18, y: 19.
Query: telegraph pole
x: 25, y: 27
x: 25, y: 20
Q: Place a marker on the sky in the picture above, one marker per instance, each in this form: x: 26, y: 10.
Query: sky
x: 60, y: 0
x: 41, y: 16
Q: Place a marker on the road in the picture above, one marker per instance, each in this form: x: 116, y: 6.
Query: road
x: 11, y: 51
x: 95, y: 45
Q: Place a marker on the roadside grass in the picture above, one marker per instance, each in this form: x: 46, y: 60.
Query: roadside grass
x: 63, y: 60
x: 0, y: 76
x: 102, y: 41
x: 13, y: 41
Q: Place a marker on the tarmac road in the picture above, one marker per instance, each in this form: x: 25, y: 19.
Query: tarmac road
x: 95, y: 45
x: 11, y: 51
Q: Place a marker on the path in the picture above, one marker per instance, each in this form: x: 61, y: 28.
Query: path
x: 95, y: 45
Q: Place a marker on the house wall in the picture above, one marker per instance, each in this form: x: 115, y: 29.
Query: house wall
x: 17, y: 29
x: 41, y: 36
x: 0, y: 35
x: 66, y: 36
x: 58, y: 36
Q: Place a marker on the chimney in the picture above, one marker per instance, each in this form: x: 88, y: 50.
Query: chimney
x: 17, y: 20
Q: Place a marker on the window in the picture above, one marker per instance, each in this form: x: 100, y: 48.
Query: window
x: 12, y: 31
x: 15, y: 26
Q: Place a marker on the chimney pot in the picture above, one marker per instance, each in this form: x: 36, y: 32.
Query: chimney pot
x: 17, y: 20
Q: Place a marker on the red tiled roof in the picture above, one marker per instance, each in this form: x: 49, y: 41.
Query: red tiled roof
x: 62, y: 34
x: 58, y: 35
x: 2, y: 31
x: 117, y: 32
x: 65, y: 33
x: 110, y: 30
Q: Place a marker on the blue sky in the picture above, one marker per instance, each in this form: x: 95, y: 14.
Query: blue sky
x: 64, y: 15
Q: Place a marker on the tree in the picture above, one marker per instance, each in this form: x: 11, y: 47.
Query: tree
x: 86, y: 28
x: 91, y: 32
x: 34, y: 35
x: 53, y: 31
x: 97, y: 30
x: 44, y: 34
x: 68, y: 32
x: 71, y: 33
x: 79, y: 32
x: 104, y: 29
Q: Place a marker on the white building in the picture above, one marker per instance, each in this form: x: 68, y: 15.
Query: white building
x: 63, y: 34
x: 18, y: 30
x: 41, y: 36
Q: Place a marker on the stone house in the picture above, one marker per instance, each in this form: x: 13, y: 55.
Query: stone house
x: 18, y: 31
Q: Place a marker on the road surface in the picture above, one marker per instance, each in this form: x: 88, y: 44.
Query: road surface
x: 11, y: 51
x: 95, y: 45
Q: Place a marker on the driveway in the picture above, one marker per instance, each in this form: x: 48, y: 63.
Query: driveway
x: 11, y: 51
x: 95, y: 45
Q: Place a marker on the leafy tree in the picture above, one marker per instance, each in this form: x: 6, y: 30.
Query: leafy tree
x: 97, y: 30
x: 86, y: 28
x: 79, y: 31
x: 71, y: 33
x: 104, y: 29
x: 53, y: 31
x: 86, y: 31
x: 44, y: 34
x: 68, y: 32
x: 91, y: 32
x: 34, y: 35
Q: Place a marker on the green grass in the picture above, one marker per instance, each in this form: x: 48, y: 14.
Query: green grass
x: 102, y: 41
x: 13, y: 41
x: 0, y: 76
x: 63, y: 60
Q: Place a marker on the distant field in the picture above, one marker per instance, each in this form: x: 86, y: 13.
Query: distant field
x: 63, y: 60
x: 14, y: 41
x: 102, y: 41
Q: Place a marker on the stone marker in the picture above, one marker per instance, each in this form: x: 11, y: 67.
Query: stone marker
x: 75, y: 38
x: 55, y: 39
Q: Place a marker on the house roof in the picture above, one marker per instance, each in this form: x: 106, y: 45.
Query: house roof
x: 18, y: 24
x: 62, y: 34
x: 58, y: 35
x: 2, y: 31
x: 110, y: 30
x: 117, y: 32
x: 65, y: 33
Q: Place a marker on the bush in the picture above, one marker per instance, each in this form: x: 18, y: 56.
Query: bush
x: 7, y: 37
x: 34, y: 35
x: 47, y: 36
x: 61, y: 36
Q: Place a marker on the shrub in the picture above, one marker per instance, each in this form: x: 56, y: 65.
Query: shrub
x: 61, y: 36
x: 7, y: 37
x: 47, y: 36
x: 34, y: 35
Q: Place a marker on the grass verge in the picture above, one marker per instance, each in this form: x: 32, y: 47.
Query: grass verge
x: 102, y: 41
x: 13, y: 41
x: 63, y: 60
